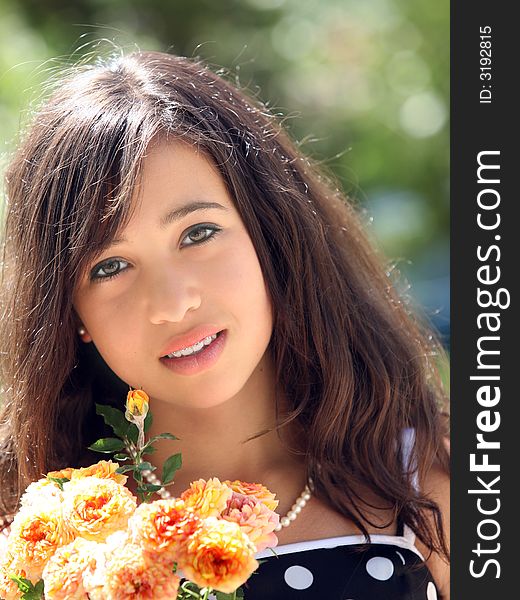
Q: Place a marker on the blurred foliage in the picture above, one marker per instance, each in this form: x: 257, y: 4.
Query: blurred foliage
x: 363, y: 85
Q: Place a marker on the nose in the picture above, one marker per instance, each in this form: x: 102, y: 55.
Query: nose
x: 170, y: 296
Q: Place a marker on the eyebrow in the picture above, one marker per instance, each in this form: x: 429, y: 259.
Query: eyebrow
x: 179, y: 213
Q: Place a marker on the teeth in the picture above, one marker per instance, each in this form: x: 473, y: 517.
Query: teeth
x: 193, y: 349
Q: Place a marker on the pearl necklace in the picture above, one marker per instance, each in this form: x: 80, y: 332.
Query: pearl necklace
x: 154, y: 480
x: 285, y: 521
x: 296, y: 508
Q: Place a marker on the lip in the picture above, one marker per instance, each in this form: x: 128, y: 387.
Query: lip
x: 184, y: 340
x: 196, y: 363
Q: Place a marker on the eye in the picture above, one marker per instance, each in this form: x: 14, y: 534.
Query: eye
x: 108, y: 269
x: 201, y: 234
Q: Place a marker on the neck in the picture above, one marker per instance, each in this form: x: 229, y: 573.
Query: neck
x: 214, y: 442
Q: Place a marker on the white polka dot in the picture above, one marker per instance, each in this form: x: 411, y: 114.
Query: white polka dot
x: 299, y: 578
x: 431, y: 592
x: 401, y: 557
x: 380, y: 568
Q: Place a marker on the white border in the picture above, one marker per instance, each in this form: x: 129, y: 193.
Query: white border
x: 334, y: 542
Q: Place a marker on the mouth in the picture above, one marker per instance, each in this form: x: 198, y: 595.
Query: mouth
x: 194, y: 350
x: 201, y: 357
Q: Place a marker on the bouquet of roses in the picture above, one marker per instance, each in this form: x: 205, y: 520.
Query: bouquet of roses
x: 79, y: 533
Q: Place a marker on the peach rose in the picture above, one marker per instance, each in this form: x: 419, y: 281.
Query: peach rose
x: 254, y: 518
x: 257, y: 490
x: 39, y: 493
x: 8, y: 588
x: 207, y: 498
x: 219, y: 555
x: 129, y: 573
x: 63, y: 574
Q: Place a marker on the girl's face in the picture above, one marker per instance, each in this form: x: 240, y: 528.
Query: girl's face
x: 180, y: 271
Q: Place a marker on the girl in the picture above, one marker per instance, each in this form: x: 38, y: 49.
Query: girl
x: 163, y: 232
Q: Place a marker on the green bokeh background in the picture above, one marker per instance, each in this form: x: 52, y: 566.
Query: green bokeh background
x: 363, y: 85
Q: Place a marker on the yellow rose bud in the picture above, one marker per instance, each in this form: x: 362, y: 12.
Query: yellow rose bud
x: 137, y: 403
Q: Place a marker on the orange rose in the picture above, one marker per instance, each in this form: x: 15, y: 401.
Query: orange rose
x: 104, y: 469
x: 207, y: 498
x: 161, y: 526
x: 219, y: 555
x: 63, y: 474
x: 35, y: 536
x: 94, y: 508
x: 137, y: 403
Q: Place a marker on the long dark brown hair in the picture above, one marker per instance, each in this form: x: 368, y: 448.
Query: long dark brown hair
x: 355, y: 363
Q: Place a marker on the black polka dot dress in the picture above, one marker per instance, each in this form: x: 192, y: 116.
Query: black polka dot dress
x: 347, y: 568
x: 343, y: 568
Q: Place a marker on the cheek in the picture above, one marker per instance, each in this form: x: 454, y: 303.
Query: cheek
x: 241, y: 279
x: 113, y: 325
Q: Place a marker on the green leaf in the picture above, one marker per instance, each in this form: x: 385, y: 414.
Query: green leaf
x: 59, y: 481
x: 125, y: 469
x: 163, y: 436
x: 148, y: 450
x: 149, y: 487
x: 29, y: 591
x: 113, y: 417
x: 188, y: 590
x: 224, y: 596
x: 148, y: 421
x: 121, y: 457
x: 146, y: 466
x: 24, y: 585
x: 36, y: 593
x: 171, y: 466
x: 107, y: 445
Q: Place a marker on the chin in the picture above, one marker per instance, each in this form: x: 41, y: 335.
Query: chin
x: 206, y: 396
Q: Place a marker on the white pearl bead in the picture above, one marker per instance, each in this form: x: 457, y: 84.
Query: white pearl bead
x: 296, y: 509
x: 147, y: 473
x: 301, y: 502
x: 278, y: 527
x: 284, y: 521
x: 291, y: 516
x: 306, y: 496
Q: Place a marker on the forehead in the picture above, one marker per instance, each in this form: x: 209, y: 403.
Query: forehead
x: 176, y: 179
x: 174, y: 170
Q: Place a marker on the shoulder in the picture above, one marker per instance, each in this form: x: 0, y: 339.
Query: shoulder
x: 436, y: 485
